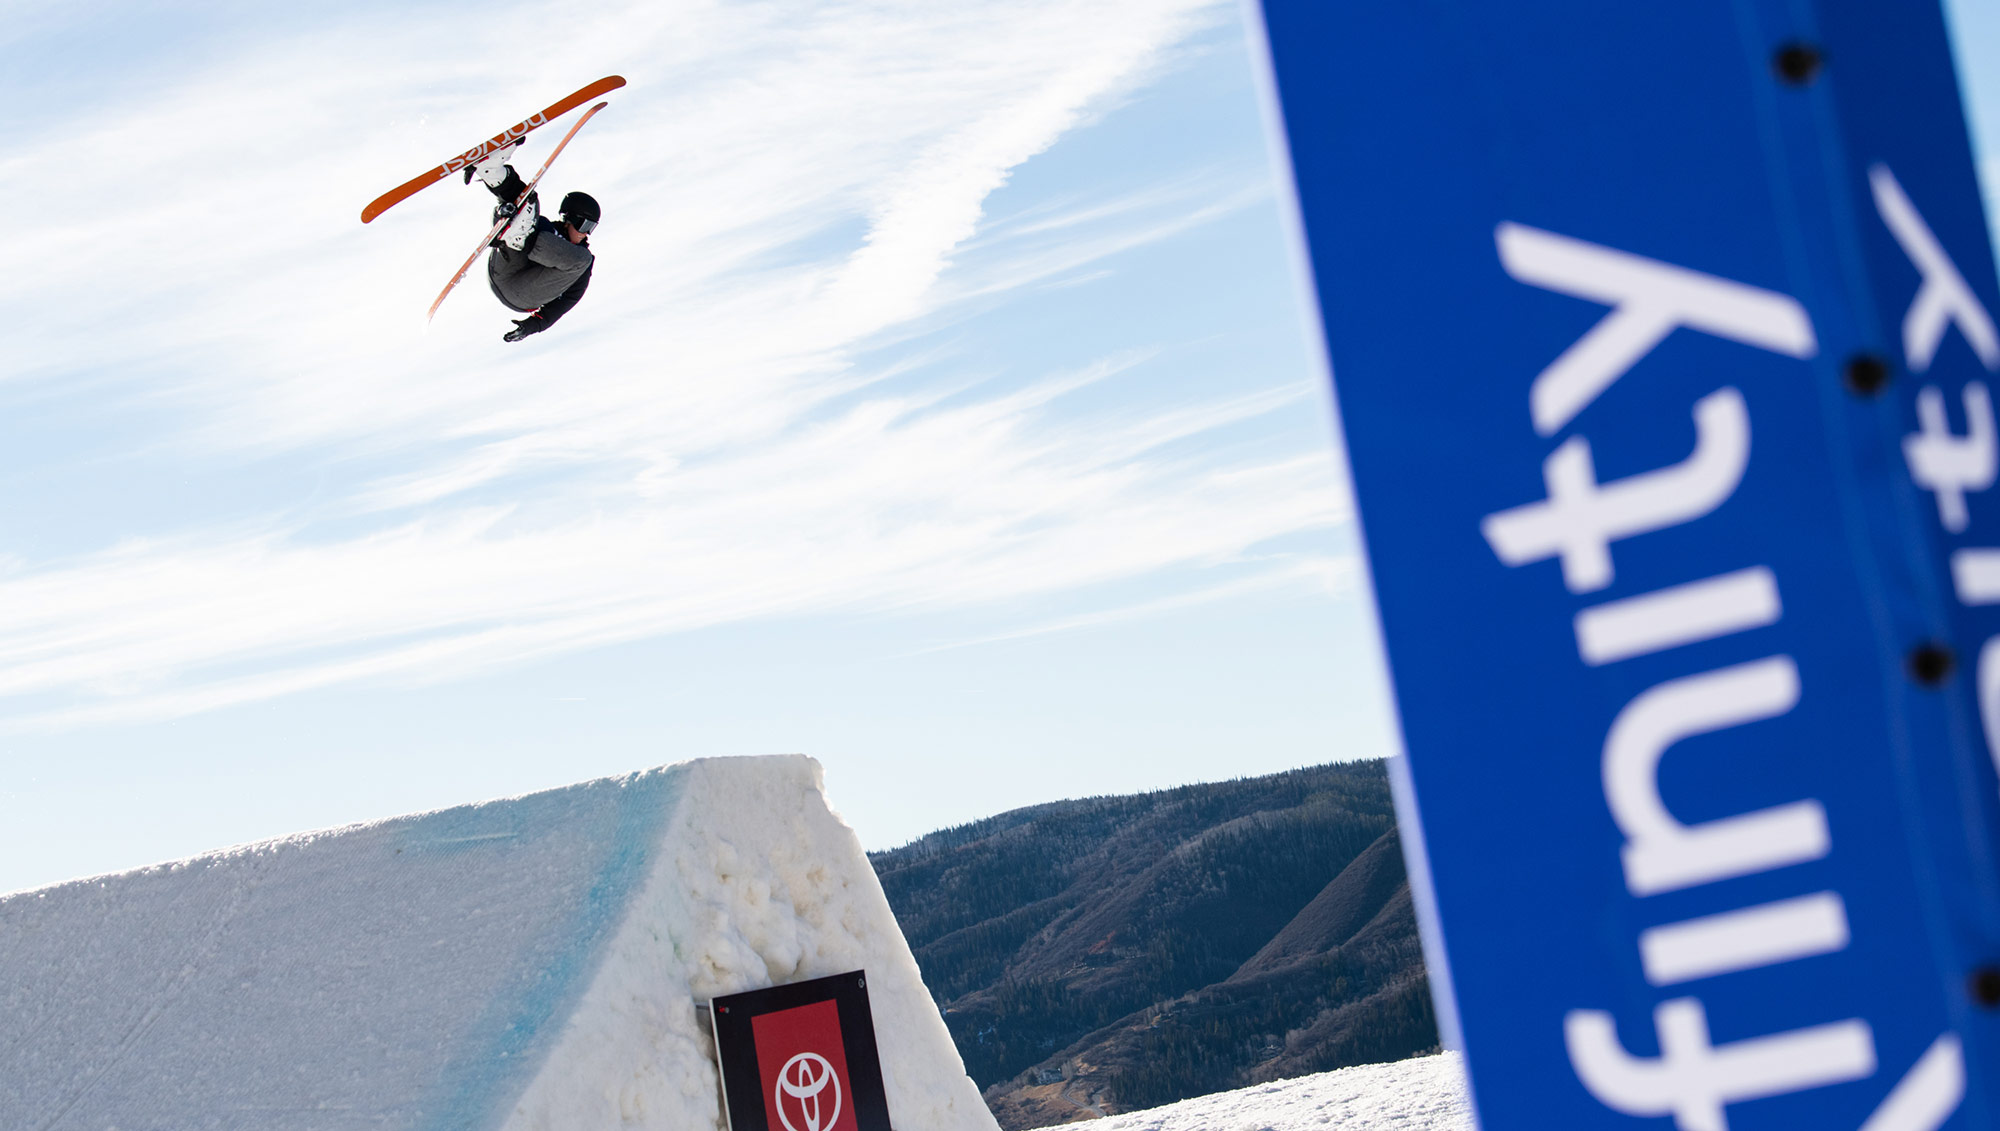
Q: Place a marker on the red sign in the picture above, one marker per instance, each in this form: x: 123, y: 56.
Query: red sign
x: 802, y: 1064
x: 801, y: 1057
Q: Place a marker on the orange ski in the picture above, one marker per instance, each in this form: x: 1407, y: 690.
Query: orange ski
x: 518, y: 201
x: 512, y: 133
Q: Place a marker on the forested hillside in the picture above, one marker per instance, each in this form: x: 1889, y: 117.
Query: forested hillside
x: 1114, y: 953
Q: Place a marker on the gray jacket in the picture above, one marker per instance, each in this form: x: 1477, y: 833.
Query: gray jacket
x: 550, y: 274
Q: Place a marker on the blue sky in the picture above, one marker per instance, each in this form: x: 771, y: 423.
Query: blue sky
x: 942, y: 408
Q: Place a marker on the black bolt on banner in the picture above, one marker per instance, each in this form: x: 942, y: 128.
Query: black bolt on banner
x: 800, y: 1057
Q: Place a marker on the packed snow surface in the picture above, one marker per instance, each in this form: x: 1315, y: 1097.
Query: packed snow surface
x: 1423, y: 1094
x: 521, y: 965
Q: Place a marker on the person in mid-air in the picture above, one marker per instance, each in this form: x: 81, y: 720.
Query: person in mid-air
x: 538, y: 267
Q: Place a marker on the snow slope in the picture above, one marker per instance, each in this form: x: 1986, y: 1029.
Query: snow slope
x: 1426, y: 1093
x: 520, y: 965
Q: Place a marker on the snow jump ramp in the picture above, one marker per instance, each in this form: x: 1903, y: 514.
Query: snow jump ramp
x: 523, y: 965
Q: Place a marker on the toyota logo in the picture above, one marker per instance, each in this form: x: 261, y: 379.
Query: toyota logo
x: 814, y: 1091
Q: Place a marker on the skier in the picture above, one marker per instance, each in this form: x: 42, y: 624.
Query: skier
x: 537, y: 267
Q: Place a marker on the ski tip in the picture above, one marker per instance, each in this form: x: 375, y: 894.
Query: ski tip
x: 381, y: 203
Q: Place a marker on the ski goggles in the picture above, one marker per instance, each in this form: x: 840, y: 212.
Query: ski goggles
x: 584, y: 226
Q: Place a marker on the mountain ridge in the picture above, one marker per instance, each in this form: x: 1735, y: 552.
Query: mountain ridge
x: 1104, y: 954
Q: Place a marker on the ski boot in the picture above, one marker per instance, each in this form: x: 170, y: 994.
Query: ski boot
x: 522, y: 229
x: 493, y: 168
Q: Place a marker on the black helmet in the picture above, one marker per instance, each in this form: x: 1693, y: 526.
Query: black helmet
x: 580, y: 209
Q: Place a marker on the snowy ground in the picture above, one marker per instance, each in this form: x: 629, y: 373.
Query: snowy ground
x: 1423, y: 1094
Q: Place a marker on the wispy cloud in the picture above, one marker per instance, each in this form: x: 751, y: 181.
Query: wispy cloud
x: 710, y: 438
x: 1323, y: 575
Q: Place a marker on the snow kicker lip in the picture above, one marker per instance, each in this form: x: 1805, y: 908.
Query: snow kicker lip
x: 530, y: 964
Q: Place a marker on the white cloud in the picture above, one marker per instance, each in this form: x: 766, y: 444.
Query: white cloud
x: 702, y: 441
x: 1324, y: 575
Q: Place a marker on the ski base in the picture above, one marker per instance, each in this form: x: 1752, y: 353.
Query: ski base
x: 504, y: 138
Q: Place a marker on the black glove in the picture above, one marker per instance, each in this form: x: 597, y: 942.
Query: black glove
x: 532, y: 324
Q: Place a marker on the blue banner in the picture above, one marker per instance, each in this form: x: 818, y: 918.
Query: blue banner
x: 1661, y: 336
